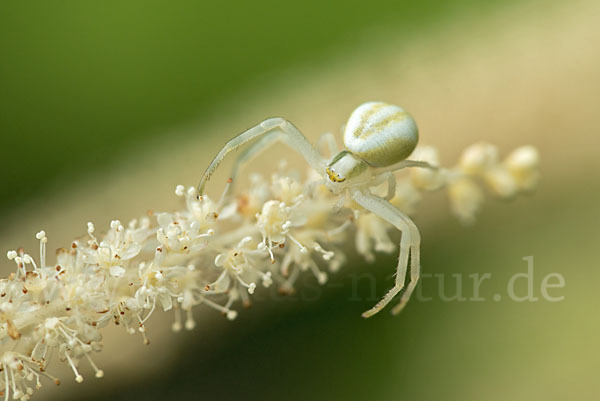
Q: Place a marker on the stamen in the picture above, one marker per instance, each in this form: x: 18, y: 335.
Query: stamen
x: 43, y: 240
x: 327, y: 255
x: 251, y: 286
x: 6, y: 383
x: 320, y: 275
x: 224, y: 194
x: 99, y: 372
x: 302, y: 247
x: 176, y: 326
x: 190, y: 323
x: 180, y: 190
x: 78, y: 377
x: 231, y: 314
x: 339, y: 229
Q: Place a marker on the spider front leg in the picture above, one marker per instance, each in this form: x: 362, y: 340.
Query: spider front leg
x: 391, y: 184
x: 409, y: 244
x: 271, y: 131
x: 405, y: 164
x: 328, y: 140
x: 391, y: 192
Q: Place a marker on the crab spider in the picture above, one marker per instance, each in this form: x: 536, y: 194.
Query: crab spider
x: 378, y: 138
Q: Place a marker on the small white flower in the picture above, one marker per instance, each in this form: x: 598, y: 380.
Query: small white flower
x: 478, y: 158
x: 465, y: 199
x: 273, y: 221
x: 502, y: 182
x: 268, y: 235
x: 371, y: 234
x: 424, y: 178
x: 117, y: 271
x: 523, y: 165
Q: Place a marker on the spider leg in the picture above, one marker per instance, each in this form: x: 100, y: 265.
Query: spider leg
x: 268, y: 132
x: 404, y: 164
x: 391, y: 181
x: 391, y: 187
x: 409, y: 244
x: 328, y: 140
x: 248, y: 155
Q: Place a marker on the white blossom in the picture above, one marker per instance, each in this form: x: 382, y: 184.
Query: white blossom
x: 212, y: 253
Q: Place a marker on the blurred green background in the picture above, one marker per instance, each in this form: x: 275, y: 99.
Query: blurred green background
x: 106, y: 106
x: 83, y: 83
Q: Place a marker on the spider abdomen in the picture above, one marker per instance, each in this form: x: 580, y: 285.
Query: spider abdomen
x: 381, y: 134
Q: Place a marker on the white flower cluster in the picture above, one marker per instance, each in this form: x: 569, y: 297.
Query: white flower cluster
x: 209, y: 253
x: 479, y: 163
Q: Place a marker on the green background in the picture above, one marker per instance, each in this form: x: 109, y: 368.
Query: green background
x: 83, y: 84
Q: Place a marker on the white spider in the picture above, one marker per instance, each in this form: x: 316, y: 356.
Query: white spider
x: 378, y: 139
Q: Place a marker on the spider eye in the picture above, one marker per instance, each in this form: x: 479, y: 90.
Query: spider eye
x: 333, y: 176
x: 381, y: 134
